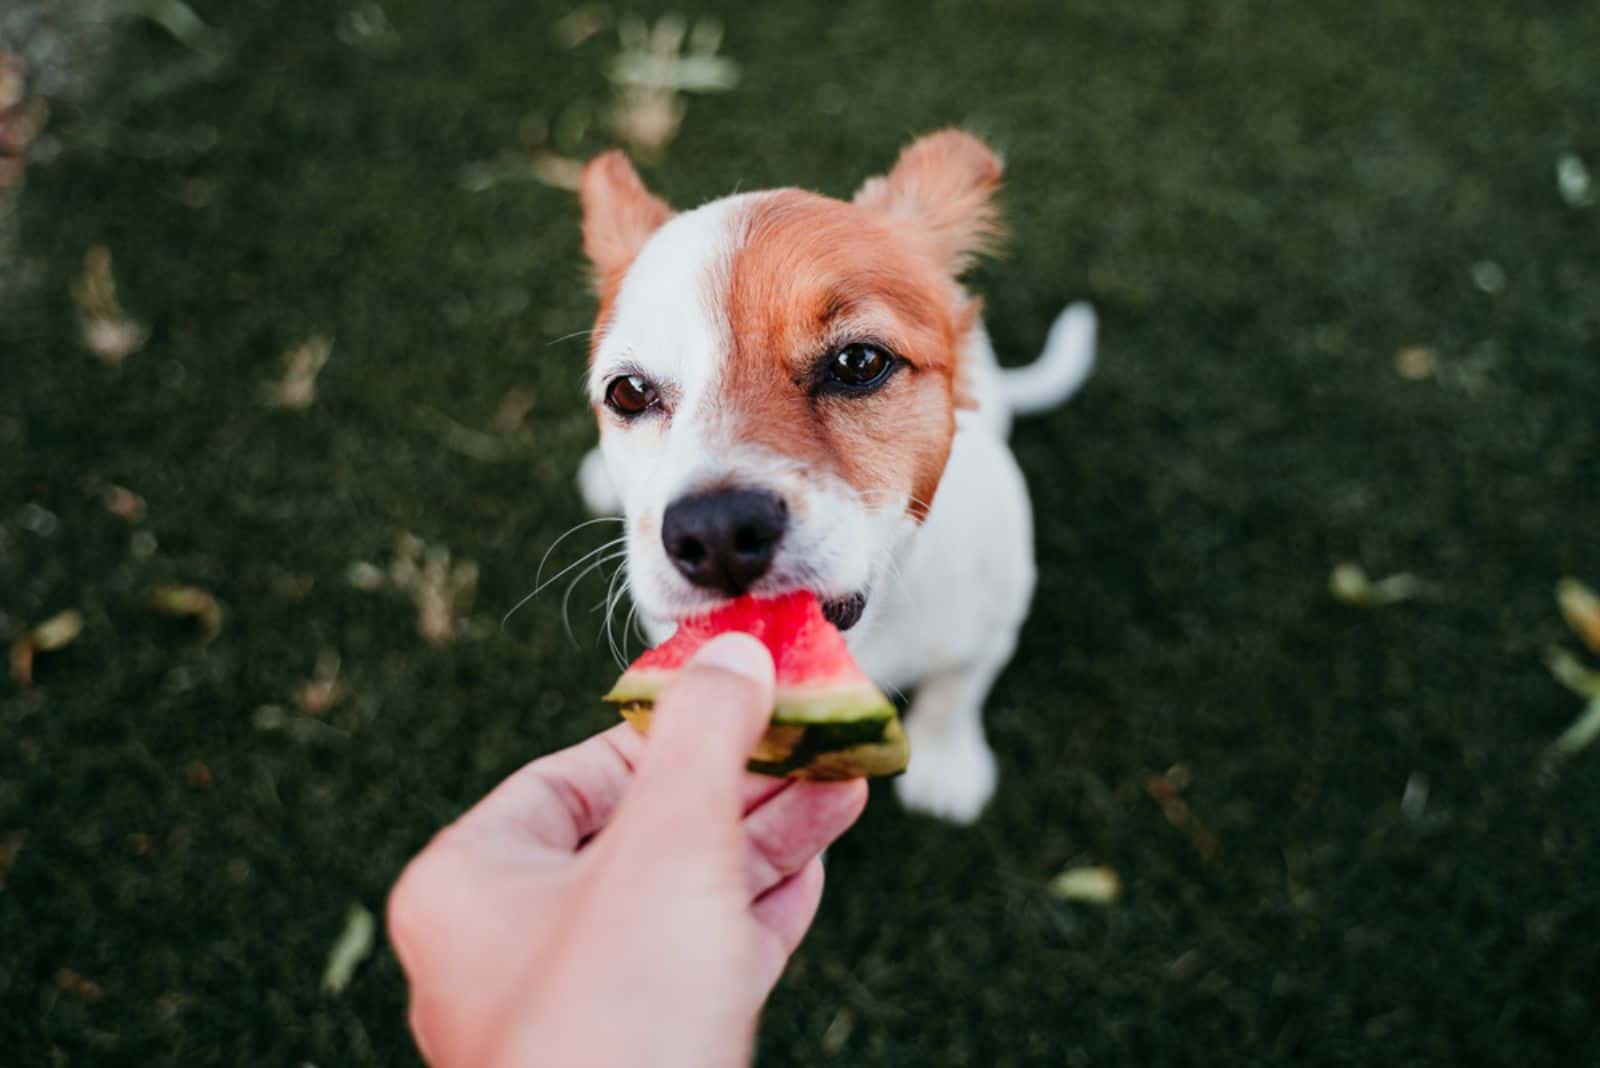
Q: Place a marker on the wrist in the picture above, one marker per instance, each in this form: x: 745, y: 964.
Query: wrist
x: 596, y: 1029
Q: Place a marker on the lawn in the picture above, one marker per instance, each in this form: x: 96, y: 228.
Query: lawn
x: 1348, y: 275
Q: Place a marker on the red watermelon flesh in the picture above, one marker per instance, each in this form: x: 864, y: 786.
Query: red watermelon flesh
x: 828, y: 720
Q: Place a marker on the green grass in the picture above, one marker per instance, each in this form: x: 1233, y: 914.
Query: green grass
x: 1265, y: 202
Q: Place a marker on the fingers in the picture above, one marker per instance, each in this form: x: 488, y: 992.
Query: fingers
x: 757, y: 789
x: 561, y: 799
x: 789, y: 830
x: 785, y: 914
x: 705, y: 724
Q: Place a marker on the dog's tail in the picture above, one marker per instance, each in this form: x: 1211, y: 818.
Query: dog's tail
x: 1062, y: 367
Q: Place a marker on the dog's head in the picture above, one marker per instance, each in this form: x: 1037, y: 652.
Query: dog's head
x: 776, y: 374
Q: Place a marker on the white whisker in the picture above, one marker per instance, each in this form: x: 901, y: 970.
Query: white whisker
x: 569, y: 337
x: 614, y: 600
x: 540, y: 587
x: 566, y: 601
x: 632, y: 625
x: 569, y: 533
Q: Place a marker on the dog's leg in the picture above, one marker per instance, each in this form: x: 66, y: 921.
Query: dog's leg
x: 595, y: 486
x: 952, y: 773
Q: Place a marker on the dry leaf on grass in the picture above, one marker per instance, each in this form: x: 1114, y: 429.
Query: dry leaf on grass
x: 297, y: 389
x: 55, y: 633
x: 535, y: 161
x: 512, y: 415
x: 559, y: 172
x: 107, y: 331
x: 366, y: 576
x: 654, y: 68
x: 22, y: 120
x: 405, y: 564
x: 1415, y: 362
x: 1166, y: 792
x: 1580, y: 607
x: 13, y: 80
x: 301, y: 728
x: 550, y: 168
x: 352, y: 947
x: 178, y: 19
x: 655, y: 57
x: 1489, y: 277
x: 1577, y: 737
x: 11, y: 844
x: 368, y: 28
x: 123, y: 503
x: 441, y: 588
x: 1349, y: 583
x: 444, y: 595
x: 1092, y: 886
x: 838, y: 1032
x: 1573, y: 181
x: 191, y: 602
x: 647, y: 119
x: 22, y: 662
x: 70, y: 982
x: 1414, y: 797
x: 20, y: 126
x: 323, y: 690
x: 1570, y: 672
x: 580, y: 24
x: 143, y: 545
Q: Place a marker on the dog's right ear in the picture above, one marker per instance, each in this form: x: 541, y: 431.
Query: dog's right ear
x: 619, y: 215
x: 941, y: 192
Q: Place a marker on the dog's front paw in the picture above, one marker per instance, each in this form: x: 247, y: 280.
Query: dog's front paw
x: 951, y: 776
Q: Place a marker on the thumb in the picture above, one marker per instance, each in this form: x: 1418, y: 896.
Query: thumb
x: 706, y: 722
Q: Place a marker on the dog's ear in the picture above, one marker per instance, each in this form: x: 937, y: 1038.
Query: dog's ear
x: 941, y: 191
x: 619, y: 215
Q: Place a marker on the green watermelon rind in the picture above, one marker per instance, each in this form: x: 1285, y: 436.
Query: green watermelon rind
x: 794, y: 707
x: 823, y: 751
x: 872, y: 760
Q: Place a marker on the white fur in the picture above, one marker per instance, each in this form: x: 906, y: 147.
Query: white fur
x: 1061, y: 369
x: 946, y: 598
x: 949, y: 626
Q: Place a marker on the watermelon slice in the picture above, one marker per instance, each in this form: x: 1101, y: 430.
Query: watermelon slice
x: 828, y: 721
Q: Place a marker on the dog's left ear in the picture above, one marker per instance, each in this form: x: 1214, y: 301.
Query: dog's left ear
x: 619, y: 215
x: 941, y: 191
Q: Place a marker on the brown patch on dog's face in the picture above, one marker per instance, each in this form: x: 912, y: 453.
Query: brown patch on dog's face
x: 811, y: 276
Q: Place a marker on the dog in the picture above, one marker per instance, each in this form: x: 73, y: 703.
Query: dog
x: 795, y: 391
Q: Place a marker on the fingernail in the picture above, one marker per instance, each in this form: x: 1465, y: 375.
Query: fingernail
x: 738, y: 653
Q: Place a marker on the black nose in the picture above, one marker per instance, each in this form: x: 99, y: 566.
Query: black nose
x: 725, y: 539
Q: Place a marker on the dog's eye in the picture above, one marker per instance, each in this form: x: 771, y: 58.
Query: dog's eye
x: 860, y: 366
x: 630, y: 395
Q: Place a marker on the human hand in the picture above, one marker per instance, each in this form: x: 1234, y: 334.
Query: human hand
x: 622, y: 902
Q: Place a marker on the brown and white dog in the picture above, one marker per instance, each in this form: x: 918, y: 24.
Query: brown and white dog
x: 796, y: 392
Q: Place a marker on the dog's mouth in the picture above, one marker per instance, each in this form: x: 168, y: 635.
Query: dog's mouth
x: 845, y: 612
